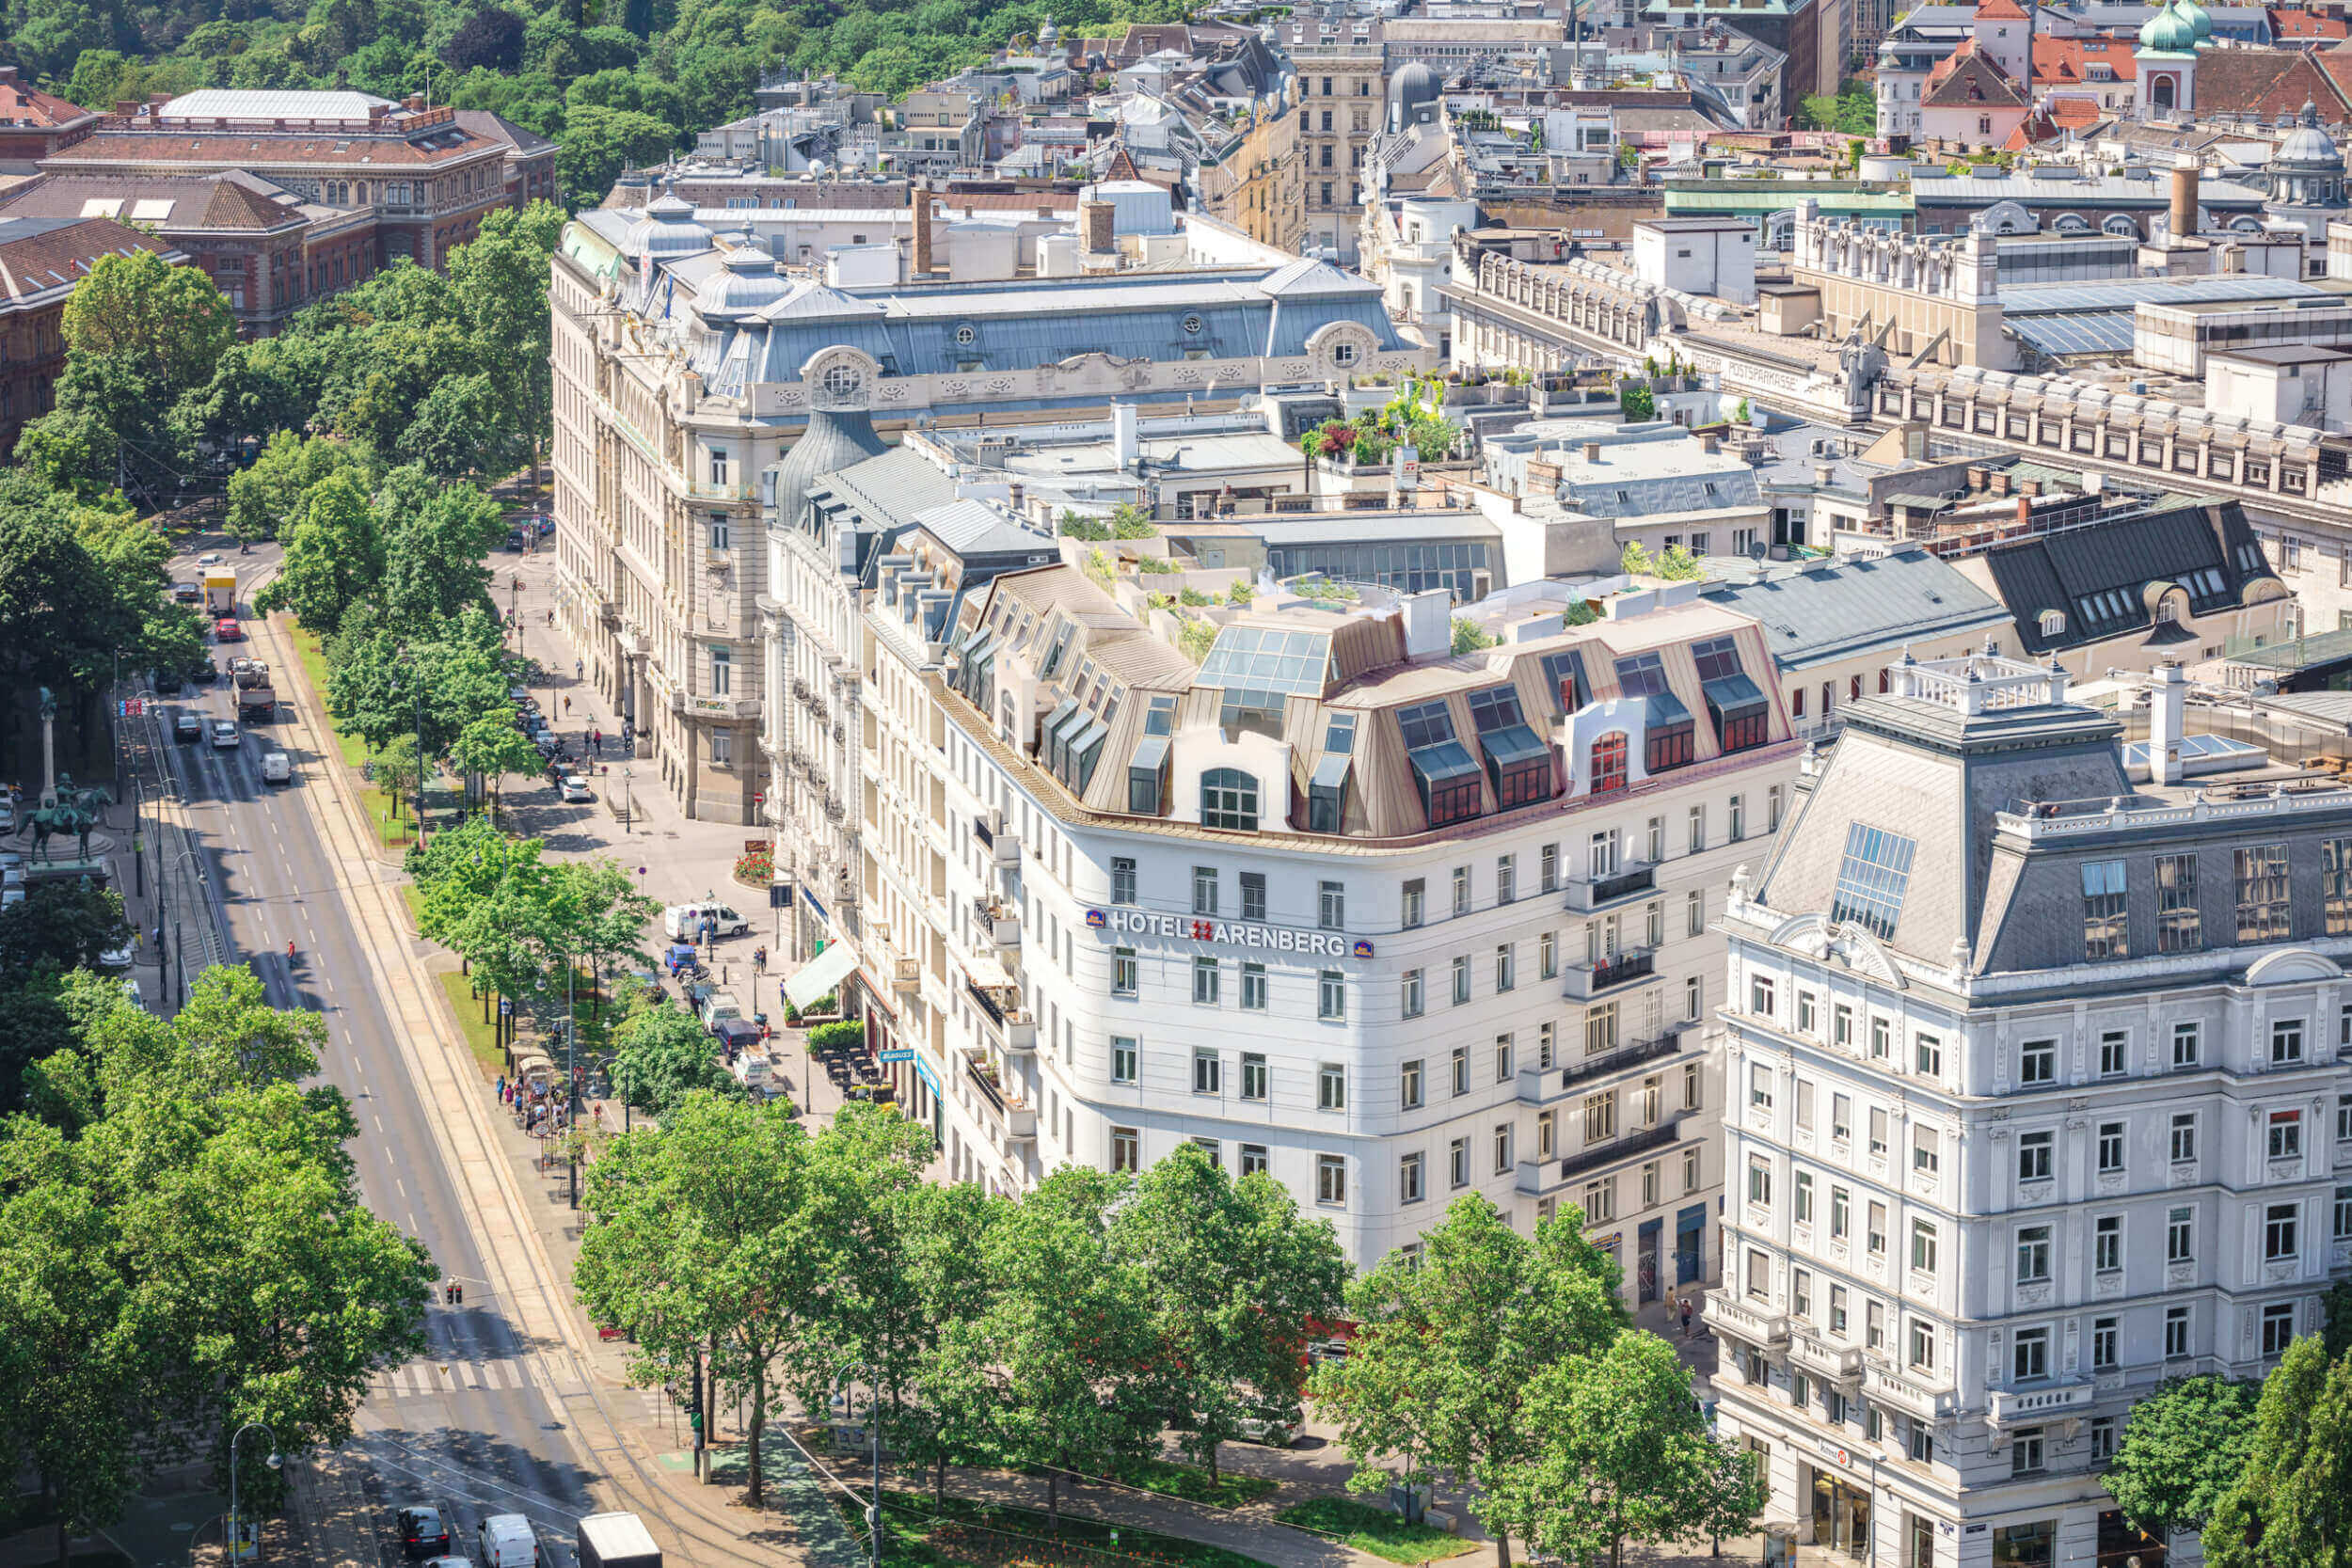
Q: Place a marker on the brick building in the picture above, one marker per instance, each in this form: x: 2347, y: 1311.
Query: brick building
x: 270, y: 252
x: 426, y: 175
x: 40, y: 261
x: 34, y: 123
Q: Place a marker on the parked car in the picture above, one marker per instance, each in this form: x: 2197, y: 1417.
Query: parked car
x: 1279, y: 1433
x: 718, y: 1006
x: 186, y: 726
x: 276, y: 767
x: 227, y: 630
x: 7, y: 816
x: 131, y: 990
x: 117, y: 956
x: 575, y: 789
x: 684, y: 922
x: 423, y: 1530
x: 515, y: 540
x: 224, y: 734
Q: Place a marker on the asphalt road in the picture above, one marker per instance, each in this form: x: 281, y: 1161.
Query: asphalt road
x: 466, y: 1427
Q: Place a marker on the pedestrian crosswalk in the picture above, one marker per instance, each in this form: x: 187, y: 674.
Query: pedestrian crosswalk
x: 421, y: 1379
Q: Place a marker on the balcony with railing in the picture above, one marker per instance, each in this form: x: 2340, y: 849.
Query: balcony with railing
x: 1583, y: 982
x: 1622, y: 1057
x: 996, y: 924
x: 1633, y: 1146
x: 1590, y: 894
x: 1768, y: 1330
x: 2006, y: 1407
x: 1014, y: 1116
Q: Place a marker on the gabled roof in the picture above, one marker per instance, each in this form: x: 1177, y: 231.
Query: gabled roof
x: 40, y: 254
x: 231, y: 200
x: 2000, y: 10
x: 1969, y: 81
x: 2268, y: 83
x: 23, y: 105
x: 1307, y: 278
x: 2067, y: 62
x: 2166, y: 543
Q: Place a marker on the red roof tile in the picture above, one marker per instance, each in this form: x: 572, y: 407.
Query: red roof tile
x: 2065, y: 62
x: 52, y: 255
x: 29, y: 106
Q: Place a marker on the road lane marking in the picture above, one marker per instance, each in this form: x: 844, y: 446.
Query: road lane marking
x: 400, y: 1189
x: 378, y: 1121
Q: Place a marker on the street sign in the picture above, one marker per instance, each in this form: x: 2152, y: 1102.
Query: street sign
x: 133, y: 707
x: 903, y: 1055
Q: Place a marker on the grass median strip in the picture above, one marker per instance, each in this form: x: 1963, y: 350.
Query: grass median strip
x: 481, y: 1038
x: 962, y: 1531
x: 1171, y: 1480
x: 1373, y: 1529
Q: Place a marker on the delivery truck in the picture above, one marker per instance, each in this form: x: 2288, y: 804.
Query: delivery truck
x: 220, y: 591
x: 615, y: 1541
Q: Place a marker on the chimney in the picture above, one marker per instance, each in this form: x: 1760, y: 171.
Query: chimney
x: 1709, y: 444
x: 2166, y: 714
x: 2024, y: 512
x: 414, y: 103
x: 1095, y: 228
x: 2185, y: 223
x: 920, y: 201
x: 1016, y: 498
x: 1126, y: 447
x: 1592, y: 452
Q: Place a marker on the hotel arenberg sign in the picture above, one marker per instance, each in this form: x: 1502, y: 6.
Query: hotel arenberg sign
x: 1232, y: 933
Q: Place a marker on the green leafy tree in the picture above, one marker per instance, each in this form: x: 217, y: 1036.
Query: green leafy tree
x: 266, y: 497
x: 1621, y: 1452
x: 501, y: 282
x: 381, y: 684
x: 2293, y: 1501
x: 491, y: 747
x: 1053, y: 1372
x: 941, y: 1231
x: 188, y: 1252
x: 1235, y: 1279
x: 1636, y: 560
x: 168, y: 325
x: 460, y: 429
x: 60, y: 925
x: 1637, y: 405
x: 599, y: 142
x: 662, y: 1056
x: 1678, y: 564
x: 2182, y: 1447
x: 1469, y: 638
x: 437, y: 536
x: 1438, y: 1376
x: 702, y: 1247
x: 334, y: 556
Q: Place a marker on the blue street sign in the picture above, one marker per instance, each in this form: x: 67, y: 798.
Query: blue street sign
x: 903, y: 1055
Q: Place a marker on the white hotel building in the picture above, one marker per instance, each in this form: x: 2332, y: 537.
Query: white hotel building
x: 1391, y: 924
x: 2039, y: 1099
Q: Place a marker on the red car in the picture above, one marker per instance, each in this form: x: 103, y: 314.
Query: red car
x: 227, y: 630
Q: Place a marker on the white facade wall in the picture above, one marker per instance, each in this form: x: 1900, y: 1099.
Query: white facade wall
x: 1983, y: 1394
x: 1067, y: 1093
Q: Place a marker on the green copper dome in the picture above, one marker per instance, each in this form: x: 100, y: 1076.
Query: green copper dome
x: 2198, y: 18
x: 2169, y: 30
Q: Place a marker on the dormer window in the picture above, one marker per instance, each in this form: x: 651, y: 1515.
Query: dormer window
x: 1443, y: 770
x: 1667, y: 728
x: 1228, y: 800
x: 1519, y: 764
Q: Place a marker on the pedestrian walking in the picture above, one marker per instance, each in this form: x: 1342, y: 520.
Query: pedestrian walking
x: 596, y: 739
x: 1686, y: 1317
x: 567, y: 707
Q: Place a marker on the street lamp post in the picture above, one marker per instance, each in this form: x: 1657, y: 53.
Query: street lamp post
x: 873, y: 1432
x: 571, y: 1074
x: 236, y: 1521
x: 163, y: 956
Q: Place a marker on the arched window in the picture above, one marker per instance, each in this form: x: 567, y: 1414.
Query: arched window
x: 1608, y: 763
x: 1229, y: 799
x: 2053, y: 623
x: 2120, y: 223
x: 2160, y: 92
x: 2072, y: 223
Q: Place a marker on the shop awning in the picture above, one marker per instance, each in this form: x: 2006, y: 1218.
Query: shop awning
x: 820, y: 976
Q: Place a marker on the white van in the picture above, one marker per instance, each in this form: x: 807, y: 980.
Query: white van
x: 507, y: 1541
x: 751, y: 1071
x: 716, y: 1006
x: 684, y: 922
